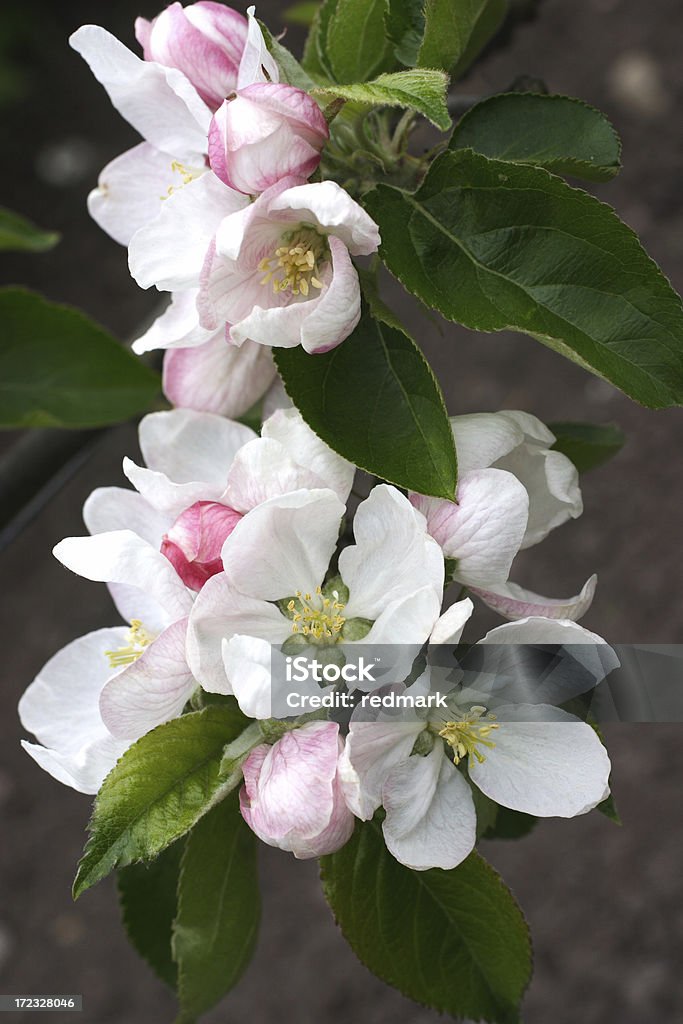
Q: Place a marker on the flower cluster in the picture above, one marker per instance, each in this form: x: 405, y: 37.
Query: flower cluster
x: 233, y: 548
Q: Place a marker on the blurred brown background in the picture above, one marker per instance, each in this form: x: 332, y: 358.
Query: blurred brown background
x: 605, y: 904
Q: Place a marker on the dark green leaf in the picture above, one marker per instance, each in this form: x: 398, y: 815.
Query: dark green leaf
x: 218, y: 909
x: 421, y: 89
x: 405, y: 24
x: 59, y: 369
x: 160, y: 787
x: 21, y: 235
x: 563, y: 135
x: 608, y: 807
x: 352, y: 41
x: 310, y: 60
x: 510, y: 824
x: 453, y: 940
x: 456, y: 31
x: 148, y: 902
x: 586, y: 444
x: 500, y: 246
x: 375, y: 400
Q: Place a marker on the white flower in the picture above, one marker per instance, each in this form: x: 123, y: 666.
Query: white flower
x: 273, y: 588
x: 532, y: 757
x: 280, y: 270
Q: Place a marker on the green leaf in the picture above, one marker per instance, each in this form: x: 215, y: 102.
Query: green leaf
x: 500, y: 246
x: 456, y: 31
x: 453, y: 940
x: 510, y: 824
x: 562, y: 134
x: 608, y: 807
x: 59, y: 369
x: 310, y: 60
x: 375, y: 401
x: 421, y: 90
x: 301, y: 14
x: 19, y: 234
x: 586, y: 444
x: 352, y: 42
x: 290, y: 70
x: 158, y: 789
x: 405, y: 24
x: 148, y: 902
x: 218, y: 909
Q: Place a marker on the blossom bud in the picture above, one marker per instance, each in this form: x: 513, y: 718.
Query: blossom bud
x: 193, y: 544
x: 204, y: 40
x: 292, y: 796
x: 265, y: 133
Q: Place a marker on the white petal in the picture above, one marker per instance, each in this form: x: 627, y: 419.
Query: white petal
x: 514, y: 602
x: 130, y: 190
x: 372, y: 750
x: 116, y: 508
x: 553, y: 485
x: 431, y: 821
x: 217, y: 377
x: 61, y: 709
x: 484, y: 529
x: 326, y: 205
x: 247, y: 662
x: 450, y: 626
x: 219, y: 613
x: 393, y: 555
x: 159, y: 102
x: 284, y: 545
x: 177, y: 327
x: 123, y: 557
x: 263, y: 469
x: 289, y: 428
x: 169, y: 251
x: 482, y: 438
x: 333, y: 316
x: 256, y: 57
x: 545, y: 762
x: 408, y: 621
x: 154, y: 689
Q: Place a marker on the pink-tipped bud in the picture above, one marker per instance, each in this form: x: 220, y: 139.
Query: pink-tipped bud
x: 193, y: 544
x: 204, y: 40
x: 265, y: 133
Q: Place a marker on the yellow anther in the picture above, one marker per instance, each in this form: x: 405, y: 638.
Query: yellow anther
x: 318, y: 618
x: 466, y: 734
x: 138, y: 638
x: 293, y: 267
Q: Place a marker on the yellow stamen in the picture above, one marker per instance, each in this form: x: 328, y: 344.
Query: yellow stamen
x: 319, y: 618
x: 293, y: 267
x: 138, y: 638
x: 187, y: 174
x: 465, y: 735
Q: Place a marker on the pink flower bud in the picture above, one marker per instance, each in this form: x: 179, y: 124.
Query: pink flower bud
x: 193, y: 544
x: 265, y: 133
x: 204, y: 40
x: 292, y: 796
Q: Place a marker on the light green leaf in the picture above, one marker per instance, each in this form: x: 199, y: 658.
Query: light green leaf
x: 562, y: 134
x: 148, y: 902
x: 290, y: 70
x: 405, y: 24
x: 500, y: 246
x: 59, y: 369
x: 218, y: 909
x: 586, y: 444
x: 421, y: 90
x: 374, y: 400
x: 310, y: 59
x: 161, y: 786
x: 456, y: 31
x: 453, y: 940
x: 352, y: 42
x: 19, y: 234
x: 301, y: 14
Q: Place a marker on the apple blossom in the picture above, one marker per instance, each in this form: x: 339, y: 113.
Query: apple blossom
x: 204, y: 40
x: 266, y: 132
x: 193, y: 544
x: 292, y: 796
x: 532, y: 757
x: 279, y: 271
x: 274, y: 588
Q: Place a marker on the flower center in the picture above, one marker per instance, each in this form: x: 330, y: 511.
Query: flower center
x: 293, y: 266
x: 187, y: 174
x: 316, y: 616
x: 138, y: 638
x: 469, y: 732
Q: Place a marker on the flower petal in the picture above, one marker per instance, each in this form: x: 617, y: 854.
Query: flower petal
x: 430, y: 821
x: 158, y: 102
x: 329, y: 207
x: 544, y: 762
x: 153, y: 690
x: 116, y: 508
x: 289, y: 428
x: 217, y: 377
x: 482, y: 438
x: 130, y: 190
x: 450, y: 626
x: 263, y: 469
x: 177, y: 327
x: 334, y: 315
x: 257, y: 64
x: 372, y: 750
x: 514, y: 602
x: 393, y: 555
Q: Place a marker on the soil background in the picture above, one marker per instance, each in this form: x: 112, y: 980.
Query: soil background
x: 605, y: 904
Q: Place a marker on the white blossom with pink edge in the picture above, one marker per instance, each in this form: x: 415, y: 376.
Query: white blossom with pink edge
x: 292, y: 796
x: 266, y: 132
x: 533, y: 758
x: 280, y: 270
